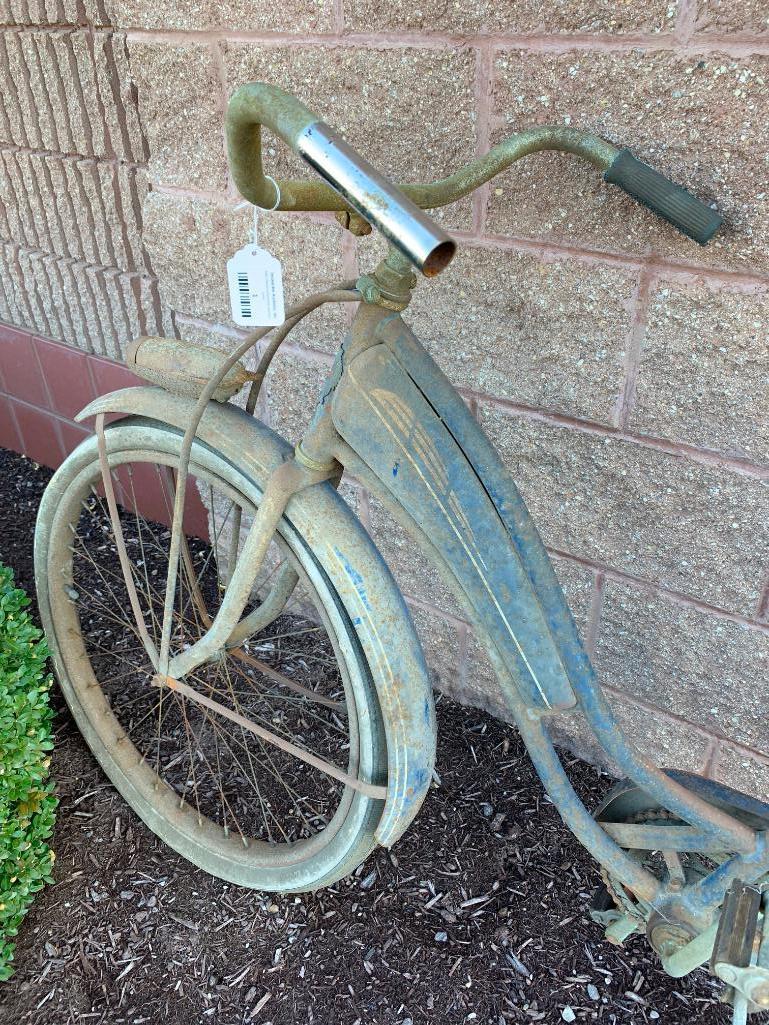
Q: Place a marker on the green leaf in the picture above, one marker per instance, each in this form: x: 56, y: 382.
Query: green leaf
x: 27, y: 801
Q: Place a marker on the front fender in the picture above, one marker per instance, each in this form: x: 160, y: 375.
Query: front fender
x: 358, y: 572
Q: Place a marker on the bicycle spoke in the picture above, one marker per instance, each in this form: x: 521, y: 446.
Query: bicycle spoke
x: 183, y: 706
x: 371, y: 789
x: 270, y: 768
x: 252, y: 778
x: 280, y: 777
x: 139, y: 531
x: 119, y: 541
x: 248, y: 750
x: 282, y: 679
x: 263, y: 754
x: 223, y: 735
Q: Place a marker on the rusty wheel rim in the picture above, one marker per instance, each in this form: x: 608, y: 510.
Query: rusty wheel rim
x: 312, y: 826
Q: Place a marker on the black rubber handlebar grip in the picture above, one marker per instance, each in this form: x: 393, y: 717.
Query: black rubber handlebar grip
x: 670, y: 201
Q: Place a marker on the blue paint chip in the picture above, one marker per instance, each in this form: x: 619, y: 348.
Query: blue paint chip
x: 357, y: 579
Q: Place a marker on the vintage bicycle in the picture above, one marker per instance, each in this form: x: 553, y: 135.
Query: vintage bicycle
x: 234, y: 648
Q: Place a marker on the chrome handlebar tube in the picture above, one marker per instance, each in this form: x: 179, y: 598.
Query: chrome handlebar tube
x: 376, y: 199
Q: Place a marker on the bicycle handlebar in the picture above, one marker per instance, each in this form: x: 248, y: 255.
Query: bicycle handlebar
x: 395, y: 210
x: 358, y: 183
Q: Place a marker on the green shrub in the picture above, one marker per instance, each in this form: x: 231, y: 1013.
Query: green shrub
x: 27, y: 802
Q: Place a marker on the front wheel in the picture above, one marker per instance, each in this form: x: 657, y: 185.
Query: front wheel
x: 222, y: 796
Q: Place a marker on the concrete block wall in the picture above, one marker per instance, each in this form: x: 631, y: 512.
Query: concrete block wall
x: 621, y: 370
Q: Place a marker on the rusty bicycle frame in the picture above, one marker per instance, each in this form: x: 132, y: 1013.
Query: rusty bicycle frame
x: 389, y: 416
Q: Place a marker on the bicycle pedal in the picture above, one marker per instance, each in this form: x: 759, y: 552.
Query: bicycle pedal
x: 737, y: 926
x: 736, y: 957
x: 617, y: 927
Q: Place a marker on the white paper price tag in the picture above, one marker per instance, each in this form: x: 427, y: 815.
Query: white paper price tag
x: 256, y: 287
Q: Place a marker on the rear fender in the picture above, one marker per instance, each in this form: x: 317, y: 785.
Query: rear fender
x: 358, y: 572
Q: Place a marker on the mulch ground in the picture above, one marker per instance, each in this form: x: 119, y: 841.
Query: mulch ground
x: 479, y: 914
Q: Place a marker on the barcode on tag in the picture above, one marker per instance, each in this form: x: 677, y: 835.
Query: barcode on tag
x: 245, y: 296
x: 256, y: 288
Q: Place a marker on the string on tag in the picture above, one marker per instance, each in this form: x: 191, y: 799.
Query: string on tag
x: 255, y: 279
x: 254, y: 234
